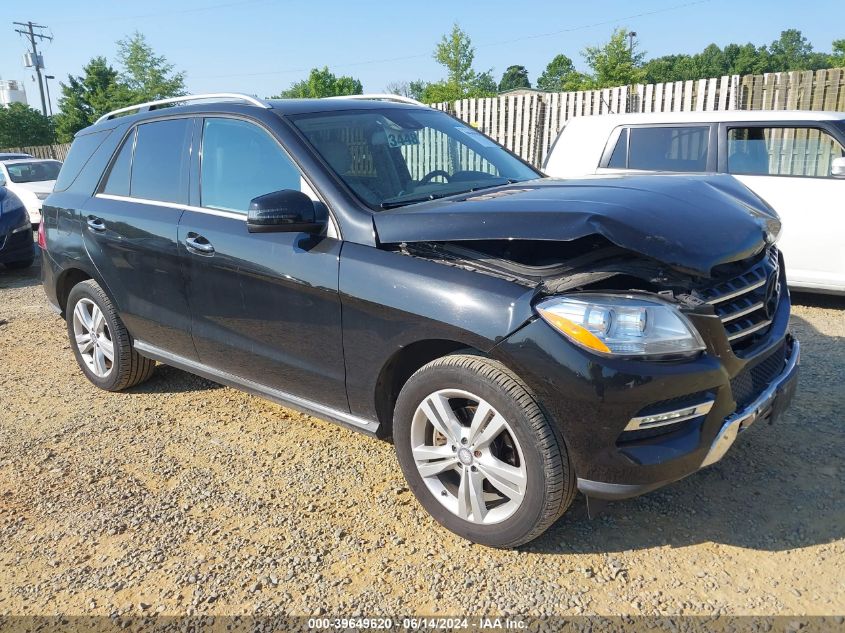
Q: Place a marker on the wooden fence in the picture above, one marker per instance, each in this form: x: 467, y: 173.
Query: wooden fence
x: 528, y: 124
x: 59, y: 152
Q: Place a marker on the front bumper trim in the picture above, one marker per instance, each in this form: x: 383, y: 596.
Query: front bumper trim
x: 733, y: 425
x: 741, y: 420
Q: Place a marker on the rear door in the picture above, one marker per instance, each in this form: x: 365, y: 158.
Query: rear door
x: 131, y: 229
x: 788, y: 165
x: 265, y: 306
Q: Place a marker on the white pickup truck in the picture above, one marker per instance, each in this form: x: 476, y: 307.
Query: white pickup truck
x: 794, y: 160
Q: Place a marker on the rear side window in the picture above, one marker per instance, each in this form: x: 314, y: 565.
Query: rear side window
x: 619, y: 157
x: 160, y: 162
x: 81, y: 151
x: 240, y: 161
x: 666, y: 148
x: 117, y: 181
x: 782, y: 151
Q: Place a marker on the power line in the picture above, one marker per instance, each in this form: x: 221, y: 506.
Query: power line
x: 487, y: 45
x: 36, y: 60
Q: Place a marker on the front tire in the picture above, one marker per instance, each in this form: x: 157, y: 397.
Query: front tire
x: 479, y: 453
x: 100, y: 342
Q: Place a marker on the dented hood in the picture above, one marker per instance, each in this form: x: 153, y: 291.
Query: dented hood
x: 690, y: 222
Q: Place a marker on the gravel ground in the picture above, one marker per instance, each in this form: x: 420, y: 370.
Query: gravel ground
x: 185, y: 497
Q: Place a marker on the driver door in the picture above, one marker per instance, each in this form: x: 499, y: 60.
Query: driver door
x: 264, y: 306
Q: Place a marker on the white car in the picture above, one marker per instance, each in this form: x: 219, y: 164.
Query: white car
x: 794, y: 160
x: 31, y: 180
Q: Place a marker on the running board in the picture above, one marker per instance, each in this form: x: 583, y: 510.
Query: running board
x: 285, y: 399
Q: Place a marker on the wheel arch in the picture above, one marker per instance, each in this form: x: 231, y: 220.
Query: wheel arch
x: 402, y: 365
x: 70, y: 277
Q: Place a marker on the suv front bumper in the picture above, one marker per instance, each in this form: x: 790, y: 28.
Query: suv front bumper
x: 767, y: 406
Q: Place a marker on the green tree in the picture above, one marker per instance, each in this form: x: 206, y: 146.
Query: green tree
x: 88, y: 96
x: 147, y: 75
x: 615, y: 63
x: 560, y: 76
x: 321, y: 82
x: 837, y: 59
x: 21, y: 125
x: 514, y: 77
x: 456, y: 53
x: 747, y: 59
x: 791, y: 51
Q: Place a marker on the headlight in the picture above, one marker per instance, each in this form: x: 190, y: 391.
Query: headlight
x: 621, y: 325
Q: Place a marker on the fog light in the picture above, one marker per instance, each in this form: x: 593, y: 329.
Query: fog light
x: 669, y: 417
x: 648, y: 420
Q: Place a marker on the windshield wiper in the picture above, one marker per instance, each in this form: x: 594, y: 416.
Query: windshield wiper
x: 402, y: 203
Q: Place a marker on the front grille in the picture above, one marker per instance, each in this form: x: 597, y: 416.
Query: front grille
x: 750, y: 383
x: 747, y: 303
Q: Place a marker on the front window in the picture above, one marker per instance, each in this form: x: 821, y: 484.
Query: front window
x: 782, y: 151
x: 33, y: 171
x: 393, y: 157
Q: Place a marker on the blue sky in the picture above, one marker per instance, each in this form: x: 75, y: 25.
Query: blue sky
x: 262, y: 46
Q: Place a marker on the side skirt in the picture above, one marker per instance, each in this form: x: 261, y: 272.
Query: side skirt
x: 302, y: 405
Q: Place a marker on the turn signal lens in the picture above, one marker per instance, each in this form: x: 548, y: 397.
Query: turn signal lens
x: 574, y: 331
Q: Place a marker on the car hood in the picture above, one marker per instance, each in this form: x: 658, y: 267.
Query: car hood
x: 40, y: 186
x: 693, y: 223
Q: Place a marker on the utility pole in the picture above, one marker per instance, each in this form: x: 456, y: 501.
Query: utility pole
x: 631, y: 36
x: 31, y: 35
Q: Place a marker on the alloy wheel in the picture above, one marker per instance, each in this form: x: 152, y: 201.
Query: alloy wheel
x: 468, y: 456
x: 93, y: 339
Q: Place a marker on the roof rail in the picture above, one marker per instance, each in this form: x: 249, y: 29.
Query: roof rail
x: 381, y: 97
x: 214, y: 96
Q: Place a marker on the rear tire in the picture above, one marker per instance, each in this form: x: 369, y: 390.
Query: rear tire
x: 479, y: 453
x: 100, y: 342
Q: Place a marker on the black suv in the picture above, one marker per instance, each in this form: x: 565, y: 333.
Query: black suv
x: 389, y: 268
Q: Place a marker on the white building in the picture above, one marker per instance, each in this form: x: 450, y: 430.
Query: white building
x: 11, y: 91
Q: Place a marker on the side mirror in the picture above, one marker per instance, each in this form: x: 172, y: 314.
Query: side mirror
x: 285, y: 211
x: 2, y: 180
x: 837, y: 167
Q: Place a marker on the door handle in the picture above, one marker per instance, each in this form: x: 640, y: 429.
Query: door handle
x: 198, y: 244
x: 96, y: 224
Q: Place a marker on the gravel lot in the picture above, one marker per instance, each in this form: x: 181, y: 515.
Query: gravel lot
x: 183, y: 497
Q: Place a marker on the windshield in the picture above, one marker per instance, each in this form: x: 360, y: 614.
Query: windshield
x: 33, y: 171
x: 393, y: 157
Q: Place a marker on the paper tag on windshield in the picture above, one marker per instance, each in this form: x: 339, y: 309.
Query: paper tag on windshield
x: 401, y: 138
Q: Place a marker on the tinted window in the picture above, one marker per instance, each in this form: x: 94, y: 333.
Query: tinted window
x: 160, y: 164
x: 668, y: 148
x: 33, y: 171
x: 80, y: 152
x: 619, y: 158
x: 240, y: 161
x: 117, y: 182
x: 782, y: 151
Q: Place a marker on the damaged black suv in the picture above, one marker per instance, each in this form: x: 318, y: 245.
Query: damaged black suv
x: 389, y: 268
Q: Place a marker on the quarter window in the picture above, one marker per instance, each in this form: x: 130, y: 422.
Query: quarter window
x: 665, y: 148
x: 240, y: 161
x: 117, y: 182
x: 160, y: 163
x: 782, y: 151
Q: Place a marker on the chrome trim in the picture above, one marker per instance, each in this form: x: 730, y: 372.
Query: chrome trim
x: 638, y: 423
x: 736, y: 293
x: 741, y: 313
x: 174, y: 205
x: 23, y: 227
x: 304, y: 405
x: 216, y: 96
x: 741, y: 420
x: 750, y: 330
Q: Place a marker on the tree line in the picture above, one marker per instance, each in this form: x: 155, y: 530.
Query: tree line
x: 142, y: 75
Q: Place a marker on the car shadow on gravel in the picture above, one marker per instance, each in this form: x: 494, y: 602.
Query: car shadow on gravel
x: 168, y: 379
x: 780, y: 487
